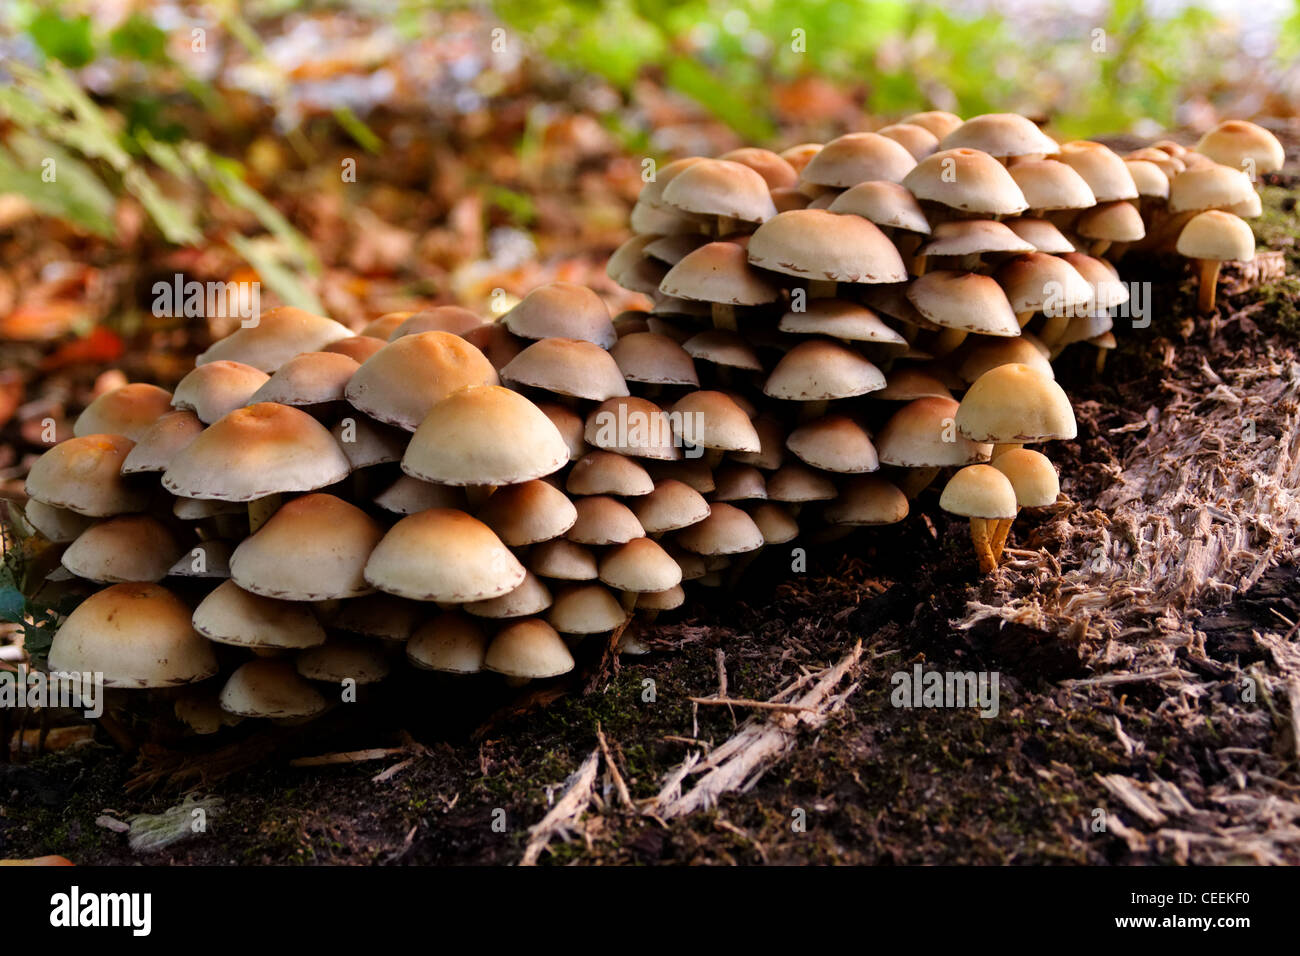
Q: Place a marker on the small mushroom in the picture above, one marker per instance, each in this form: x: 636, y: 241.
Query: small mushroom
x: 983, y: 494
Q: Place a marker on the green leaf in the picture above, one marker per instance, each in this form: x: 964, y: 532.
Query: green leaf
x: 13, y: 606
x: 266, y: 256
x: 358, y: 130
x: 139, y: 38
x: 63, y: 38
x: 75, y: 194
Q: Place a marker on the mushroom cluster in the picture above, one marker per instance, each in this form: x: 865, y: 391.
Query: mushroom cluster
x: 843, y: 295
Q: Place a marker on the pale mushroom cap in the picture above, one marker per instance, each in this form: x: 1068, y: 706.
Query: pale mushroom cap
x: 1217, y: 235
x: 867, y: 500
x: 639, y: 565
x: 570, y: 425
x: 990, y: 353
x: 632, y: 426
x: 408, y: 495
x: 278, y: 336
x: 1031, y: 475
x: 313, y: 548
x: 1042, y: 235
x: 1014, y: 403
x: 669, y: 250
x: 218, y: 388
x: 651, y: 220
x: 377, y: 615
x: 451, y: 642
x: 527, y: 513
x: 693, y: 472
x: 384, y: 326
x: 607, y: 473
x: 979, y: 491
x: 737, y: 482
x: 366, y: 442
x: 713, y: 420
x: 57, y: 525
x: 256, y: 451
x: 531, y: 649
x: 1052, y: 184
x: 1171, y: 166
x: 917, y: 140
x: 129, y: 410
x: 136, y: 635
x: 964, y: 300
x: 775, y: 170
x: 484, y: 435
x: 840, y: 319
x: 905, y: 383
x: 1113, y: 221
x: 442, y: 318
x: 122, y: 549
x: 270, y: 688
x: 722, y: 347
x: 1209, y: 187
x: 568, y: 367
x: 343, y: 658
x: 231, y: 615
x: 443, y: 555
x: 308, y: 379
x: 1001, y: 134
x: 161, y: 441
x: 84, y: 475
x: 719, y: 187
x: 963, y: 237
x: 665, y: 600
x: 835, y: 443
x: 671, y: 505
x: 719, y: 272
x: 1083, y: 328
x: 800, y: 155
x: 1101, y: 168
x: 586, y: 609
x: 402, y: 381
x: 771, y: 439
x: 205, y: 559
x: 727, y: 530
x: 358, y: 347
x: 884, y: 203
x: 562, y: 310
x: 654, y: 359
x: 858, y: 158
x: 1150, y: 179
x: 195, y: 509
x: 820, y: 245
x: 938, y: 122
x: 531, y: 597
x: 602, y: 520
x: 821, y: 370
x: 562, y: 560
x: 773, y: 521
x: 923, y: 434
x: 1233, y: 142
x: 969, y: 180
x: 789, y: 197
x: 795, y: 483
x: 1108, y: 290
x: 653, y: 191
x: 1037, y: 282
x: 496, y: 343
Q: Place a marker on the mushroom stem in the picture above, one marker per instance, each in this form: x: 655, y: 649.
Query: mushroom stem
x: 1053, y: 329
x: 475, y: 495
x: 948, y: 341
x: 811, y: 411
x: 1100, y: 246
x: 725, y: 225
x: 712, y: 457
x: 821, y: 289
x: 260, y: 511
x: 1208, y: 276
x: 980, y: 537
x: 1001, y: 528
x: 1024, y: 317
x: 919, y: 264
x: 724, y: 316
x: 1001, y: 447
x: 1101, y: 359
x: 969, y: 262
x: 916, y: 480
x: 908, y: 243
x: 628, y: 600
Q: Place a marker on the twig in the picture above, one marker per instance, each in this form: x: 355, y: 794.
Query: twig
x: 757, y: 704
x: 619, y: 785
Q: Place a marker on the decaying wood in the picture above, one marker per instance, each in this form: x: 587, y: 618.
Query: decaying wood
x: 566, y: 815
x: 739, y: 763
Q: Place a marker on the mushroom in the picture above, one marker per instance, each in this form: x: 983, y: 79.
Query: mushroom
x: 582, y: 609
x: 562, y: 560
x: 569, y: 367
x: 638, y: 566
x: 1001, y: 135
x: 962, y: 302
x: 1012, y: 404
x: 917, y: 140
x: 312, y: 381
x: 1035, y: 483
x: 451, y: 642
x: 825, y: 248
x: 443, y: 555
x: 1211, y: 238
x: 982, y: 494
x: 967, y: 180
x: 938, y: 122
x: 84, y: 475
x: 725, y: 192
x: 275, y: 337
x: 922, y: 436
x: 819, y: 371
x: 130, y: 410
x: 402, y: 381
x: 562, y: 310
x: 858, y: 158
x: 442, y: 318
x: 527, y: 650
x: 529, y: 513
x: 160, y: 441
x: 231, y: 615
x: 891, y: 207
x: 121, y: 549
x: 719, y: 273
x: 775, y: 169
x: 273, y: 689
x: 342, y: 659
x: 1237, y: 143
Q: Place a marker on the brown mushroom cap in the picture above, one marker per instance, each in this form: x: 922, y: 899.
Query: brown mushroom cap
x: 1001, y: 134
x: 923, y: 434
x: 632, y: 426
x: 451, y: 642
x: 341, y: 659
x: 568, y: 367
x: 964, y: 237
x: 1108, y: 290
x: 1042, y: 235
x: 312, y: 378
x: 652, y: 192
x: 938, y: 122
x: 57, y: 525
x: 562, y: 310
x: 603, y: 520
x: 917, y: 140
x: 529, y: 649
x: 84, y: 475
x: 384, y: 326
x: 130, y: 410
x: 206, y: 559
x: 408, y: 495
x: 563, y: 560
x: 990, y: 353
x: 969, y: 180
x: 1014, y: 403
x: 719, y: 187
x: 669, y: 250
x: 253, y: 452
x: 964, y: 300
x: 527, y: 513
x: 771, y: 439
x: 867, y: 500
x: 402, y: 381
x: 722, y: 347
x: 231, y: 615
x: 1233, y: 142
x: 218, y: 388
x: 358, y: 347
x: 135, y: 635
x: 669, y: 598
x: 904, y: 383
x: 979, y: 491
x: 1037, y: 282
x: 821, y: 245
x: 585, y: 609
x: 270, y: 688
x: 161, y: 441
x: 570, y: 426
x: 1111, y: 221
x: 671, y: 505
x: 821, y: 370
x: 713, y: 420
x: 773, y: 521
x: 1052, y: 184
x: 840, y: 319
x: 835, y: 443
x: 366, y: 442
x: 737, y: 482
x: 377, y: 615
x: 1150, y: 179
x: 1031, y: 475
x: 794, y: 483
x: 1101, y: 168
x: 121, y: 549
x: 443, y: 318
x: 484, y: 435
x: 858, y: 158
x: 606, y: 473
x: 313, y: 548
x: 531, y: 597
x: 775, y: 170
x: 889, y: 205
x: 719, y: 272
x: 1211, y: 187
x: 443, y: 555
x: 1217, y: 235
x: 727, y: 530
x: 654, y: 359
x: 800, y: 155
x: 278, y: 336
x: 639, y: 565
